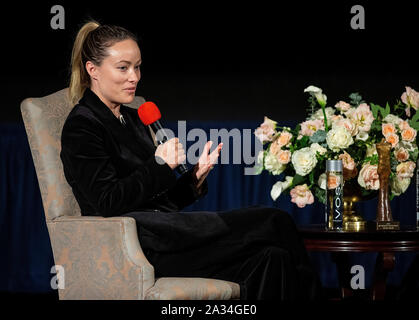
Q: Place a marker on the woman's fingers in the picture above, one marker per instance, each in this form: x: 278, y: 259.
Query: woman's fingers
x: 215, y: 154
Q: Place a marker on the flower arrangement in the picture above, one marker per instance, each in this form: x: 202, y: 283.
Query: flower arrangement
x: 348, y: 131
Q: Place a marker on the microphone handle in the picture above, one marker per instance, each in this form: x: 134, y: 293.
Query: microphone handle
x: 156, y: 127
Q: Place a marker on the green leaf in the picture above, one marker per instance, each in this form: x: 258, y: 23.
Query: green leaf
x: 414, y: 154
x: 318, y: 136
x: 414, y: 122
x: 355, y: 99
x: 311, y: 177
x: 320, y: 194
x: 297, y: 180
x: 374, y: 109
x: 385, y: 111
x: 303, y: 142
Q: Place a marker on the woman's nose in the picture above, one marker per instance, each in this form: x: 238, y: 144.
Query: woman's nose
x: 134, y: 76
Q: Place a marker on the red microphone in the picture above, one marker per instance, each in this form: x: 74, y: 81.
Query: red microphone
x: 150, y: 115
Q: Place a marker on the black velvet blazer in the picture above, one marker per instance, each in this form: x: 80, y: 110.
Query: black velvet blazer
x: 111, y: 167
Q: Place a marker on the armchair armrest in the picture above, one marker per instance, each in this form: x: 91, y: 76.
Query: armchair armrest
x: 102, y: 258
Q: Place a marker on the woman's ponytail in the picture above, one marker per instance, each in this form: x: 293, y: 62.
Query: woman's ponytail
x: 79, y: 80
x: 91, y: 44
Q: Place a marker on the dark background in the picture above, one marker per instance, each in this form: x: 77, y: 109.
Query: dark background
x: 218, y: 61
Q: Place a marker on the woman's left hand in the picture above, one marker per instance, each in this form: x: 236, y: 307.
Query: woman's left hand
x: 206, y: 162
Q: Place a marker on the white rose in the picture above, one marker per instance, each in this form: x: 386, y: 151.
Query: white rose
x: 304, y: 160
x: 259, y: 160
x: 318, y: 148
x: 280, y: 186
x: 391, y: 118
x: 407, y: 145
x: 399, y: 186
x: 339, y: 138
x: 322, y: 181
x: 318, y: 115
x: 273, y: 165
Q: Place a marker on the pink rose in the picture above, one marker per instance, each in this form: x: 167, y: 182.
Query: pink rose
x: 310, y: 126
x: 348, y: 125
x: 342, y: 106
x: 361, y: 116
x: 301, y: 195
x: 266, y: 131
x: 411, y: 99
x: 401, y: 154
x: 368, y: 177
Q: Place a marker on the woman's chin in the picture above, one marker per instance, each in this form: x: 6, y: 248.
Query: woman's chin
x: 126, y: 99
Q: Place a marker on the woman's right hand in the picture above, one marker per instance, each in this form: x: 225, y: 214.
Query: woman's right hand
x: 171, y: 152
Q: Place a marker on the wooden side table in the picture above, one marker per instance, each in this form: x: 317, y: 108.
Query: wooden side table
x: 340, y: 243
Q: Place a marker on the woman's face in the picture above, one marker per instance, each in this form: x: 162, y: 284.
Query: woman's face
x: 115, y: 80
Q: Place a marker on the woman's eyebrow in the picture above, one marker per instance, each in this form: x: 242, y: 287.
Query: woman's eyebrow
x: 129, y: 62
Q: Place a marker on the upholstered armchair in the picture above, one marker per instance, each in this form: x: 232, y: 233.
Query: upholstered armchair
x: 101, y: 257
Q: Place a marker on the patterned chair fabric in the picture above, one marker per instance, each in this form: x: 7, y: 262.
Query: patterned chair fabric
x: 101, y: 257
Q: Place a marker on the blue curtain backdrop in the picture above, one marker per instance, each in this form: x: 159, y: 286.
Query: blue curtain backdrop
x: 25, y: 251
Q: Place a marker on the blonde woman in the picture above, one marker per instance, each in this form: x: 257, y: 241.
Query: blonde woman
x: 114, y: 169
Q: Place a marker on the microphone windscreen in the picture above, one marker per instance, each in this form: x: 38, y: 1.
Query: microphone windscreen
x: 149, y: 113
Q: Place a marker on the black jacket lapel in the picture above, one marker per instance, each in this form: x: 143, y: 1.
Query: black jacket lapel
x: 124, y: 135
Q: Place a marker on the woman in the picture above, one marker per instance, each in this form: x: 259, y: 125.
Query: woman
x: 114, y: 168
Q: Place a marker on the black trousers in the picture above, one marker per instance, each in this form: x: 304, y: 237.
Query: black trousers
x: 258, y: 247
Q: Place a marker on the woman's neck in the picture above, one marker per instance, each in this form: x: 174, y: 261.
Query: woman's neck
x: 112, y: 106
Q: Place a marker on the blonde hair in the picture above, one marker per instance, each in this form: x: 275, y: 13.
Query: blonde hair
x: 91, y: 44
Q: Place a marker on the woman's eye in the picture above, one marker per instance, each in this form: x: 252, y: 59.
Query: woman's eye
x: 122, y: 68
x: 137, y: 67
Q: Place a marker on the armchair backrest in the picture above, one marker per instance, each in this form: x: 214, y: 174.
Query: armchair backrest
x: 44, y: 119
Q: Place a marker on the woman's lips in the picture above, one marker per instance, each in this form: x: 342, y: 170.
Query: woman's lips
x: 130, y: 90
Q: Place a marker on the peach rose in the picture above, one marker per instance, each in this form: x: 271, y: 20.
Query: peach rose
x: 275, y: 148
x: 409, y: 134
x: 266, y: 131
x: 393, y: 139
x: 301, y: 195
x: 401, y: 154
x: 284, y: 156
x: 333, y: 181
x: 388, y: 128
x: 405, y: 169
x: 349, y: 167
x: 404, y: 125
x: 284, y: 139
x: 368, y: 177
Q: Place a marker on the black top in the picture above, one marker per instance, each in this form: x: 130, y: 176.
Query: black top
x: 111, y: 167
